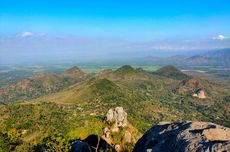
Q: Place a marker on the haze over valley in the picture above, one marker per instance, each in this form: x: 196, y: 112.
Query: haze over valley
x: 122, y: 76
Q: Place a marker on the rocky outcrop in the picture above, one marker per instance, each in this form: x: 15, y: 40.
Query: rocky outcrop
x: 195, y: 87
x: 216, y: 134
x: 117, y: 119
x: 118, y: 132
x: 185, y: 137
x: 189, y: 85
x: 200, y: 94
x: 118, y: 135
x: 117, y: 115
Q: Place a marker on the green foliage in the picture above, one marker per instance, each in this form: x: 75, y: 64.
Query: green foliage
x: 171, y: 72
x: 35, y: 117
x: 9, y: 140
x: 84, y: 126
x: 125, y: 69
x: 53, y: 143
x: 48, y: 127
x: 79, y: 110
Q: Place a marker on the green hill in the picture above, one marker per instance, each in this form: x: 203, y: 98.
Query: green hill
x: 79, y: 110
x: 171, y: 72
x: 40, y: 85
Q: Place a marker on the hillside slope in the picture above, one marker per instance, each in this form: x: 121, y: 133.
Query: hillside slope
x: 158, y: 97
x: 78, y: 111
x: 40, y: 85
x: 171, y: 72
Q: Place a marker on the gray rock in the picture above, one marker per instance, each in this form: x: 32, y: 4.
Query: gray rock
x: 185, y: 137
x: 109, y: 115
x: 117, y: 115
x: 120, y: 117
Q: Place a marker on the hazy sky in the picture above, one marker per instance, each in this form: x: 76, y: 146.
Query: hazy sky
x: 80, y: 29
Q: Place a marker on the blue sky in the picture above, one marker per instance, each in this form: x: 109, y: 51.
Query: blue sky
x: 103, y: 27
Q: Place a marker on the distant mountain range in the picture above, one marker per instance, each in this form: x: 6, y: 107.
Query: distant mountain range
x: 219, y: 57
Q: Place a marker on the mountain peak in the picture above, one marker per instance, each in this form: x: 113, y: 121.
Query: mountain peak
x: 104, y: 84
x: 126, y: 67
x: 172, y: 72
x: 73, y: 70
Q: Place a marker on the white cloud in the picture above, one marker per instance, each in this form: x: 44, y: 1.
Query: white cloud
x: 26, y: 34
x: 220, y: 37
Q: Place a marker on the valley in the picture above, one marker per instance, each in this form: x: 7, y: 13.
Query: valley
x: 114, y: 76
x: 72, y: 105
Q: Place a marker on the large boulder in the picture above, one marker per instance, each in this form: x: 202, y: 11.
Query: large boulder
x: 185, y: 137
x: 80, y: 146
x: 92, y: 143
x: 117, y: 115
x: 120, y: 117
x: 216, y: 134
x: 109, y: 115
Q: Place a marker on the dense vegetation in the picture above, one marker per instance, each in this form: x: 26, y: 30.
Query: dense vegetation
x: 171, y: 72
x: 40, y: 85
x: 53, y: 120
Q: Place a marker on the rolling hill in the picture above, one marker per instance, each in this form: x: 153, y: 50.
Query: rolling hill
x: 171, y: 72
x: 167, y: 91
x: 42, y: 84
x: 78, y: 110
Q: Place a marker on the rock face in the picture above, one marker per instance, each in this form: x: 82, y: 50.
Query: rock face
x: 120, y: 117
x: 190, y: 85
x: 185, y: 137
x: 216, y: 134
x: 199, y: 92
x: 109, y: 115
x: 117, y: 115
x: 118, y: 132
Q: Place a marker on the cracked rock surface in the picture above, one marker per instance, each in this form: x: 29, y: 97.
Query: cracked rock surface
x: 185, y: 137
